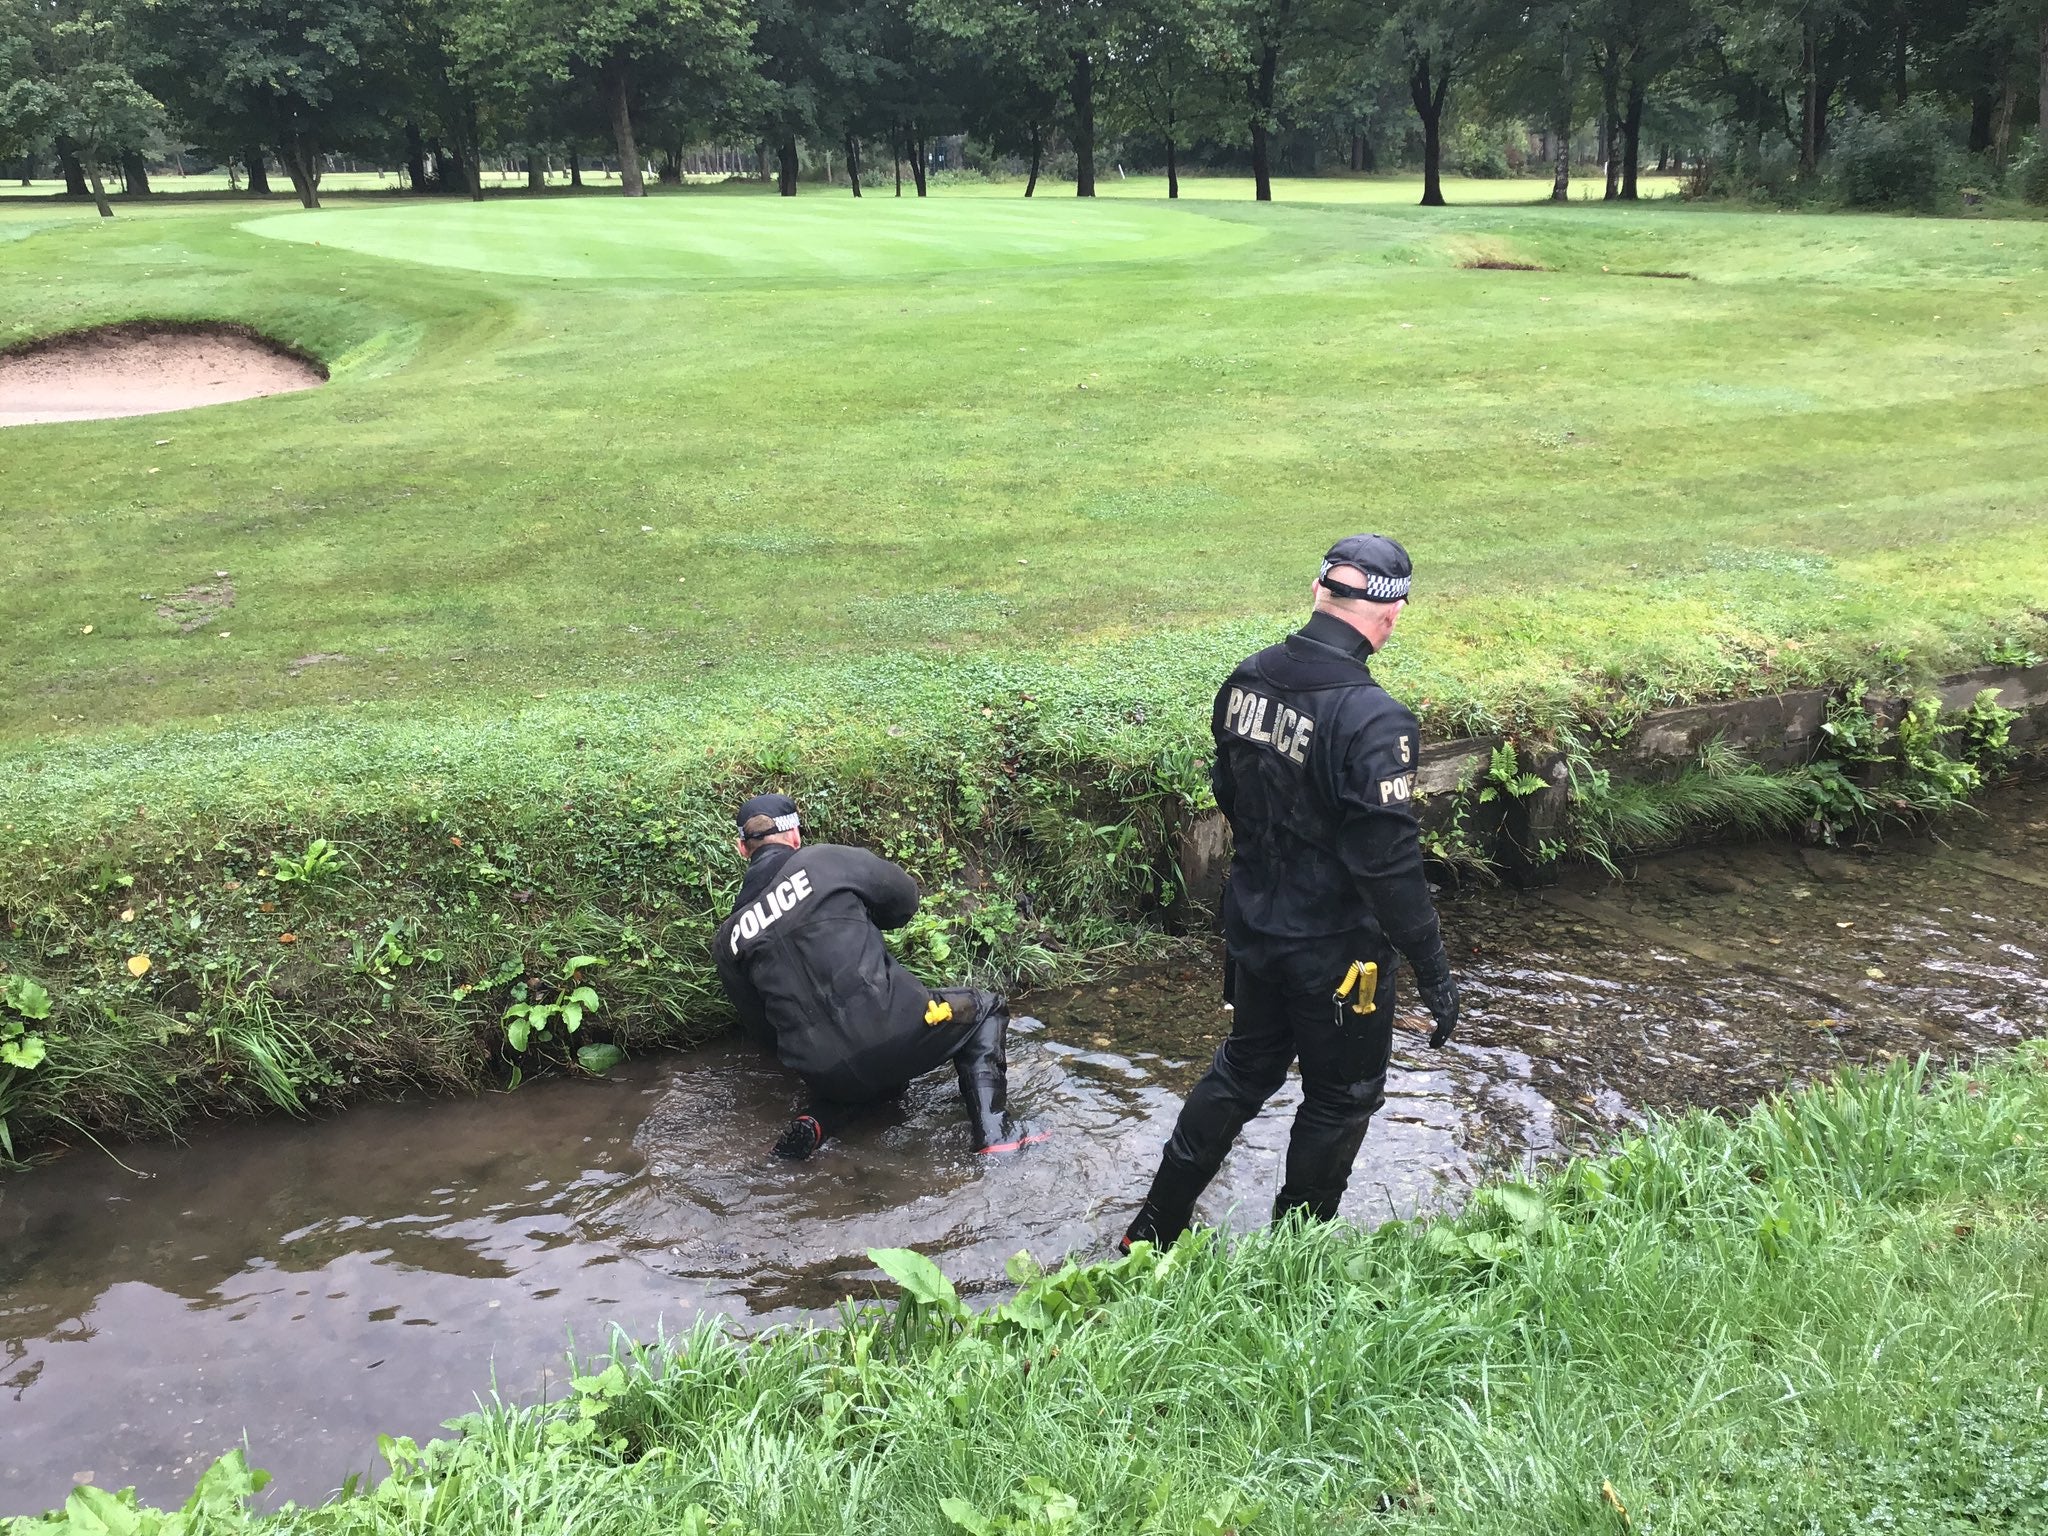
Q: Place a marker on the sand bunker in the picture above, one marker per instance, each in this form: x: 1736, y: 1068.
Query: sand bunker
x: 139, y: 370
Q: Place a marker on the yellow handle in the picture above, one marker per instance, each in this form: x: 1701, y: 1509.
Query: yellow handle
x: 938, y: 1011
x: 1364, y: 975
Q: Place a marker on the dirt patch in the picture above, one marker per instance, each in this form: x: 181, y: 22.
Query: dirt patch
x: 1686, y: 277
x: 198, y: 605
x: 1500, y: 264
x: 141, y: 369
x: 315, y: 659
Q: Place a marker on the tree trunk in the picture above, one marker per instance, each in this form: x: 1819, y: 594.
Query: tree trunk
x: 2043, y: 130
x: 915, y: 140
x: 135, y: 172
x: 669, y: 169
x: 896, y: 153
x: 1429, y: 106
x: 1561, y: 124
x: 617, y: 89
x: 1037, y: 154
x: 1172, y: 172
x: 575, y: 168
x: 1632, y: 140
x: 536, y: 171
x: 297, y: 158
x: 259, y: 172
x: 785, y: 167
x: 1610, y: 122
x: 2001, y: 130
x: 853, y: 162
x: 1262, y: 122
x: 415, y: 158
x: 91, y: 162
x: 476, y: 152
x: 74, y: 173
x: 1084, y: 123
x: 1809, y: 100
x: 28, y: 169
x: 1981, y: 108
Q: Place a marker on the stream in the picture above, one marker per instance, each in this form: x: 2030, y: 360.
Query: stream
x: 299, y: 1286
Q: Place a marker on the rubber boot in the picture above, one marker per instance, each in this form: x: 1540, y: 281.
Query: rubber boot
x: 983, y: 1066
x: 1169, y: 1207
x: 804, y: 1136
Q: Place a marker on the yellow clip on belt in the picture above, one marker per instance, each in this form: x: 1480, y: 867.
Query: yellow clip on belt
x: 938, y: 1011
x: 1364, y: 977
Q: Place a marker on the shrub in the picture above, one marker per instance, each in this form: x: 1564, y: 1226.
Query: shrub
x: 1898, y: 159
x: 2030, y: 178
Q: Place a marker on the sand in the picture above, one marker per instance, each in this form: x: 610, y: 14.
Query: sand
x: 133, y: 371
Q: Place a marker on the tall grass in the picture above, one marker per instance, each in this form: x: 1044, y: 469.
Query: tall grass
x: 1824, y: 1316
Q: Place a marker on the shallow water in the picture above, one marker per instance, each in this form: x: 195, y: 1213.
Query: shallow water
x: 310, y: 1284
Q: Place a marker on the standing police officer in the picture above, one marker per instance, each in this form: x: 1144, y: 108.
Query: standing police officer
x: 1315, y: 769
x: 803, y: 961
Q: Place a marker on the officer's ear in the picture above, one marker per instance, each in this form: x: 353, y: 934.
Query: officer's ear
x: 739, y: 846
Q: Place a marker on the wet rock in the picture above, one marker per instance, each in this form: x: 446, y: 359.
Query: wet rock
x: 1831, y: 868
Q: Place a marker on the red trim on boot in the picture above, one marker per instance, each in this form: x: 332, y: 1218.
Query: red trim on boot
x: 1011, y: 1146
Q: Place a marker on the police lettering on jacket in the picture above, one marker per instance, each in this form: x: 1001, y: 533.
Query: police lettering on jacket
x: 780, y: 899
x: 1280, y: 726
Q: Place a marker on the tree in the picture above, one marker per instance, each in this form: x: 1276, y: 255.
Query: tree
x: 634, y: 54
x: 1434, y: 41
x: 1074, y: 31
x: 297, y: 76
x: 71, y: 79
x: 1164, y: 78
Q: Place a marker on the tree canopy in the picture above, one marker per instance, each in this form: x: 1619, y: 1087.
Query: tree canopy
x: 1757, y: 90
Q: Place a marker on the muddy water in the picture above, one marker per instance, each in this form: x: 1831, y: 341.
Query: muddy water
x: 305, y: 1286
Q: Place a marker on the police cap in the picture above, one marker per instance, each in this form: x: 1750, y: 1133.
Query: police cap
x: 1385, y: 564
x: 765, y: 815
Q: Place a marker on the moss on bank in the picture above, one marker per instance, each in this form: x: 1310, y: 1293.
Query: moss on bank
x: 1825, y: 1315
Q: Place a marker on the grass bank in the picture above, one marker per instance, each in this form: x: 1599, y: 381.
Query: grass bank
x: 1825, y: 1315
x: 945, y: 515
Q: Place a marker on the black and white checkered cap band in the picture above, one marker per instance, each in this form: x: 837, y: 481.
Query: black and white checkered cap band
x: 787, y: 823
x: 1381, y: 589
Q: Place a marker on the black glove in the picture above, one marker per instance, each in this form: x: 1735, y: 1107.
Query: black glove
x: 1441, y: 999
x: 1438, y: 990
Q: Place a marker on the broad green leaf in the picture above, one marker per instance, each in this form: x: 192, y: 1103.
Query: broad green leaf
x: 572, y: 1017
x: 26, y: 997
x: 584, y: 996
x: 582, y: 962
x: 516, y: 1031
x: 599, y: 1059
x: 920, y: 1278
x: 23, y: 1053
x: 967, y: 1517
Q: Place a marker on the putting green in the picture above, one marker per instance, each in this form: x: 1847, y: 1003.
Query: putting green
x: 756, y: 238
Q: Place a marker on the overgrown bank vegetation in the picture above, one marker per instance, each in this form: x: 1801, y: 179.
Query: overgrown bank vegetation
x: 1824, y: 1316
x: 307, y: 913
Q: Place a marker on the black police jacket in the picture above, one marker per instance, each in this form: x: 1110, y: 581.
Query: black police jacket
x: 803, y: 960
x: 1315, y: 769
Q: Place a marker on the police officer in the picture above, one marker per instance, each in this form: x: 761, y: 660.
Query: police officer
x: 803, y: 961
x: 1315, y: 769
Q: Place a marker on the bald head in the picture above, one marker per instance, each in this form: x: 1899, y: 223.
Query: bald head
x: 1375, y: 621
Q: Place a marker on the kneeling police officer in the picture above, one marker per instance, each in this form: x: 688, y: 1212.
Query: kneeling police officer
x: 803, y: 961
x: 1315, y: 770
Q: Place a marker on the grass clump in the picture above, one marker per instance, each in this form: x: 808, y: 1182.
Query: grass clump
x: 1822, y: 1316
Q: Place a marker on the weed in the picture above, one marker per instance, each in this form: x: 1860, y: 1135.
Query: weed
x: 529, y: 1017
x: 23, y: 1002
x: 310, y: 870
